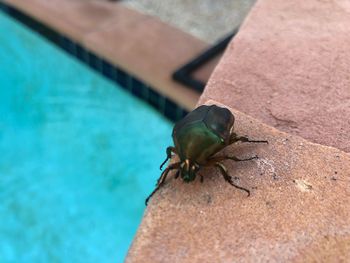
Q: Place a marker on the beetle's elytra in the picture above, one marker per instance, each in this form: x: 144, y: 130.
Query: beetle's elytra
x: 197, y: 138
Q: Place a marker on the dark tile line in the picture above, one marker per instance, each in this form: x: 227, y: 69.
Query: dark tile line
x: 139, y: 89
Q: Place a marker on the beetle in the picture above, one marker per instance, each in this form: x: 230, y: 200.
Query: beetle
x: 197, y: 137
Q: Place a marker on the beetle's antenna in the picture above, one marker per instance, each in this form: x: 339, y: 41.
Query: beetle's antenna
x: 161, y: 166
x: 169, y: 150
x: 228, y: 178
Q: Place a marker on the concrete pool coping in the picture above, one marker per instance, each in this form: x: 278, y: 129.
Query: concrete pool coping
x: 139, y: 44
x: 298, y: 211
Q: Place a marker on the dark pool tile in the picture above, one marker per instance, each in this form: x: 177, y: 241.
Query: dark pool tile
x: 95, y: 62
x: 4, y: 7
x: 122, y: 79
x: 171, y: 110
x: 64, y: 43
x: 81, y: 53
x: 68, y: 45
x: 108, y: 70
x: 154, y: 99
x: 138, y: 88
x: 33, y: 24
x: 71, y: 47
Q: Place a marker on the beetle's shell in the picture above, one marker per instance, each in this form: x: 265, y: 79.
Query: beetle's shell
x: 202, y: 133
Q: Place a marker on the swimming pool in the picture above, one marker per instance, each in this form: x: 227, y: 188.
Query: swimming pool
x: 78, y: 155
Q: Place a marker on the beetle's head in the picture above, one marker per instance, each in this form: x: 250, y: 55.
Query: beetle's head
x: 188, y: 170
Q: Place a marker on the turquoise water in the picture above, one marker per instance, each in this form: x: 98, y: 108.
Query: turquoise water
x: 78, y: 156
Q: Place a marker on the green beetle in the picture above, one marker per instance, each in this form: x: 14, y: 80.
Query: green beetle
x: 197, y: 138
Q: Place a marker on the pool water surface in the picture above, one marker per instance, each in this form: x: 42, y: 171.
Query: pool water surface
x: 78, y: 155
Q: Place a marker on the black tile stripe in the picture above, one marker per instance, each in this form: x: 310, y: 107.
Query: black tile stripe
x: 130, y: 83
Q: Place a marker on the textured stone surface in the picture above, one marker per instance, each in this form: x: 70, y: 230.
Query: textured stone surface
x: 299, y: 208
x: 289, y: 66
x: 206, y: 19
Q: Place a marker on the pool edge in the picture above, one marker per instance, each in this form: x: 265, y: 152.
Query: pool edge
x: 169, y: 98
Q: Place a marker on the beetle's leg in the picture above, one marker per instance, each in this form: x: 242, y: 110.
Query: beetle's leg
x: 235, y: 138
x: 169, y: 150
x: 177, y: 174
x: 202, y: 178
x: 214, y: 160
x: 228, y: 178
x: 164, y: 173
x: 159, y: 183
x: 162, y: 178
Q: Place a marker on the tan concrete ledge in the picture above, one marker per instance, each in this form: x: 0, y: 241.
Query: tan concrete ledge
x: 139, y: 44
x: 299, y: 208
x: 289, y: 66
